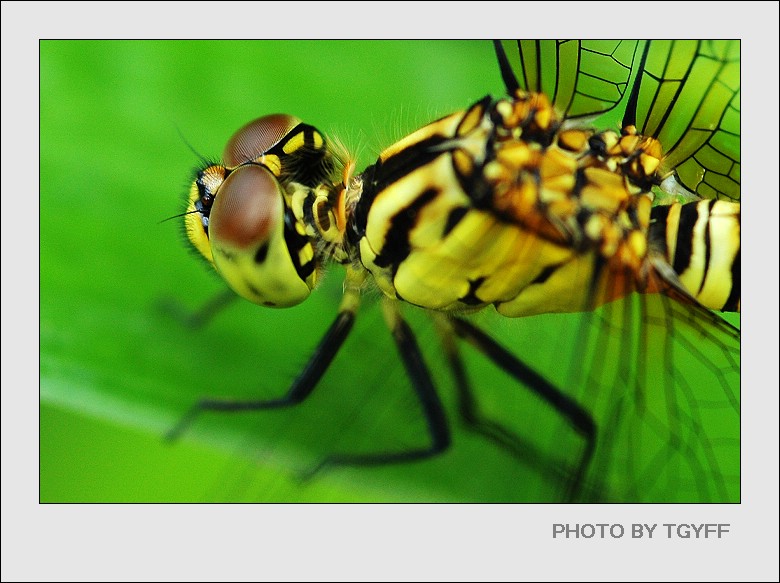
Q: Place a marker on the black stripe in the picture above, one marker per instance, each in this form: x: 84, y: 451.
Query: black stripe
x: 308, y: 209
x: 308, y: 137
x: 732, y: 303
x: 407, y: 161
x: 689, y: 214
x: 507, y: 75
x: 545, y: 274
x: 580, y: 181
x: 707, y: 249
x: 453, y: 219
x: 306, y: 269
x: 357, y: 225
x: 629, y: 117
x: 308, y: 164
x: 471, y: 299
x: 396, y: 246
x: 295, y: 242
x: 656, y: 233
x: 382, y: 174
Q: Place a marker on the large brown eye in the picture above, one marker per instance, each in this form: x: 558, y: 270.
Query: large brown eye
x: 247, y: 240
x: 247, y: 208
x: 257, y: 137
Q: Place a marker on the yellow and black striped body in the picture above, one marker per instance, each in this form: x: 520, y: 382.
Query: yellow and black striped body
x: 498, y: 205
x: 701, y: 241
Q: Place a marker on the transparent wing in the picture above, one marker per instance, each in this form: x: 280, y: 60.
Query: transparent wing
x: 687, y: 94
x: 663, y: 383
x: 583, y: 78
x: 660, y: 376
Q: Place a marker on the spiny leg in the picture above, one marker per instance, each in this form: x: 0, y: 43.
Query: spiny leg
x: 420, y: 377
x: 578, y: 417
x: 308, y: 378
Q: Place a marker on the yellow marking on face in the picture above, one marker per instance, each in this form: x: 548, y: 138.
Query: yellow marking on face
x: 273, y: 163
x: 319, y: 141
x: 294, y: 143
x: 306, y: 254
x: 193, y: 224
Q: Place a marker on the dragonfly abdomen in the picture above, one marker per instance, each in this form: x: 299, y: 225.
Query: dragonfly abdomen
x: 701, y: 242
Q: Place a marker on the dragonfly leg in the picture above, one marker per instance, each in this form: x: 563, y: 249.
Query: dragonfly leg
x: 201, y: 316
x: 420, y: 377
x: 303, y: 385
x: 575, y: 414
x: 496, y: 432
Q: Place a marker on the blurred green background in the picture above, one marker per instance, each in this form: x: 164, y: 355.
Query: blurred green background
x: 118, y: 371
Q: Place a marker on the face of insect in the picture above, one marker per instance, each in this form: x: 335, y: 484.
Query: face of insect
x: 240, y: 217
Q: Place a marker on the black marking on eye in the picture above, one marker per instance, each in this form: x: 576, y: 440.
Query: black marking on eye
x: 396, y: 246
x: 261, y: 253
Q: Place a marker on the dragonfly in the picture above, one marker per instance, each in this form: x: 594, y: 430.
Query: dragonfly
x: 521, y: 205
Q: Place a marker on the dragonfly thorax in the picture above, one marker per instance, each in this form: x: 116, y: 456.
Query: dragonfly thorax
x: 534, y: 213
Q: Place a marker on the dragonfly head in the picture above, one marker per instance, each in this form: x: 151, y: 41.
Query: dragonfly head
x: 240, y: 215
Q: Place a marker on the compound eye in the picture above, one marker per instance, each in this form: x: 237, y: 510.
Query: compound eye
x: 247, y: 240
x: 257, y: 137
x: 247, y: 209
